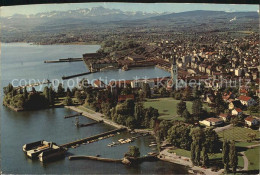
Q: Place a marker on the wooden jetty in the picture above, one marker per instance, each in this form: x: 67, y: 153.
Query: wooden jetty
x: 76, y: 75
x: 89, y: 124
x: 74, y: 115
x: 64, y: 60
x: 94, y: 158
x: 92, y: 137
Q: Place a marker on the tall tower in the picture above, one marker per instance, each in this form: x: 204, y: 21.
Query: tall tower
x: 174, y: 74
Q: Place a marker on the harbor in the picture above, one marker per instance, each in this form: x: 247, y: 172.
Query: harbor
x: 49, y: 124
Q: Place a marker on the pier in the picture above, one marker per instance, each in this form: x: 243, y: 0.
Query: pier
x: 94, y: 158
x: 64, y: 60
x: 76, y: 75
x: 92, y: 137
x: 74, y: 115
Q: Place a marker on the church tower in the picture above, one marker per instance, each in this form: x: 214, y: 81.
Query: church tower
x: 174, y: 74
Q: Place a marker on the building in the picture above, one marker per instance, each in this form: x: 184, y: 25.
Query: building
x: 140, y: 83
x: 174, y: 73
x: 245, y: 100
x: 212, y: 121
x: 251, y: 121
x: 235, y: 104
x: 237, y: 111
x: 122, y: 98
x: 224, y: 117
x: 99, y: 84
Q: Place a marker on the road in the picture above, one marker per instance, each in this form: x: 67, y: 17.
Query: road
x: 219, y: 129
x: 245, y: 161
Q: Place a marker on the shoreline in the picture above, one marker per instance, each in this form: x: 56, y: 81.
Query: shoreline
x: 164, y: 155
x: 46, y: 44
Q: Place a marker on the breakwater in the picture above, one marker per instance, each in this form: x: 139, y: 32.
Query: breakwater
x: 76, y: 75
x: 64, y: 60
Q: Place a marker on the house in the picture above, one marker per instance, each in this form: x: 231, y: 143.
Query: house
x: 237, y: 111
x: 212, y: 121
x: 227, y: 96
x: 99, y: 84
x: 209, y: 98
x: 251, y: 121
x: 224, y: 117
x: 235, y: 104
x: 122, y: 98
x: 140, y: 83
x: 245, y: 100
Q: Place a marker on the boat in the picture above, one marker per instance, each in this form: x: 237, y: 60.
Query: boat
x: 125, y: 68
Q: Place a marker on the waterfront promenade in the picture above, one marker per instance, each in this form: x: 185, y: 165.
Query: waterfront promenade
x: 95, y: 116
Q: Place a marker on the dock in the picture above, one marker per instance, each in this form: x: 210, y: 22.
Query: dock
x: 90, y: 124
x: 64, y: 60
x: 76, y: 75
x: 94, y: 158
x: 74, y: 115
x: 92, y: 137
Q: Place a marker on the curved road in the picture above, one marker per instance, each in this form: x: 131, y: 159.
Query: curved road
x: 245, y: 161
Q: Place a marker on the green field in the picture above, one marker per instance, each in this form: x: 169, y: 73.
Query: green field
x: 167, y: 107
x: 237, y: 134
x: 213, y: 157
x: 253, y: 158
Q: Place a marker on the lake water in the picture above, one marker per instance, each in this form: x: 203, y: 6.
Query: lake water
x: 24, y: 61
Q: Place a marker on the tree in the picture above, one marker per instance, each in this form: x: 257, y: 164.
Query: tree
x: 233, y: 157
x: 211, y: 141
x: 51, y: 96
x: 164, y: 127
x: 163, y: 92
x: 187, y: 116
x: 73, y: 91
x: 179, y: 136
x: 61, y: 90
x: 197, y: 108
x: 205, y: 157
x: 225, y: 155
x: 139, y: 112
x: 25, y: 93
x: 69, y: 93
x: 181, y: 106
x: 133, y: 152
x: 219, y: 103
x: 8, y: 89
x: 147, y: 90
x: 193, y: 153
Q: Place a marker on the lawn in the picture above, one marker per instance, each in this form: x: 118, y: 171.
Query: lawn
x: 168, y: 107
x: 237, y: 134
x: 213, y: 157
x: 253, y: 158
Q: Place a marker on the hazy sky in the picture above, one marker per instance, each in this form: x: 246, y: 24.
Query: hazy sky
x: 151, y: 7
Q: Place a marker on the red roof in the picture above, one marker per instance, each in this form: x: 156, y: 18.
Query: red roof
x: 238, y: 110
x: 249, y: 118
x: 244, y: 98
x: 124, y: 97
x: 223, y: 115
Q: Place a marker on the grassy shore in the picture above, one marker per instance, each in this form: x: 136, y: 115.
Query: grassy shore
x: 167, y: 107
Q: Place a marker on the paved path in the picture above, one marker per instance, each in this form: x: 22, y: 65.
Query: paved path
x: 245, y: 161
x: 170, y: 157
x: 95, y: 116
x: 219, y: 129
